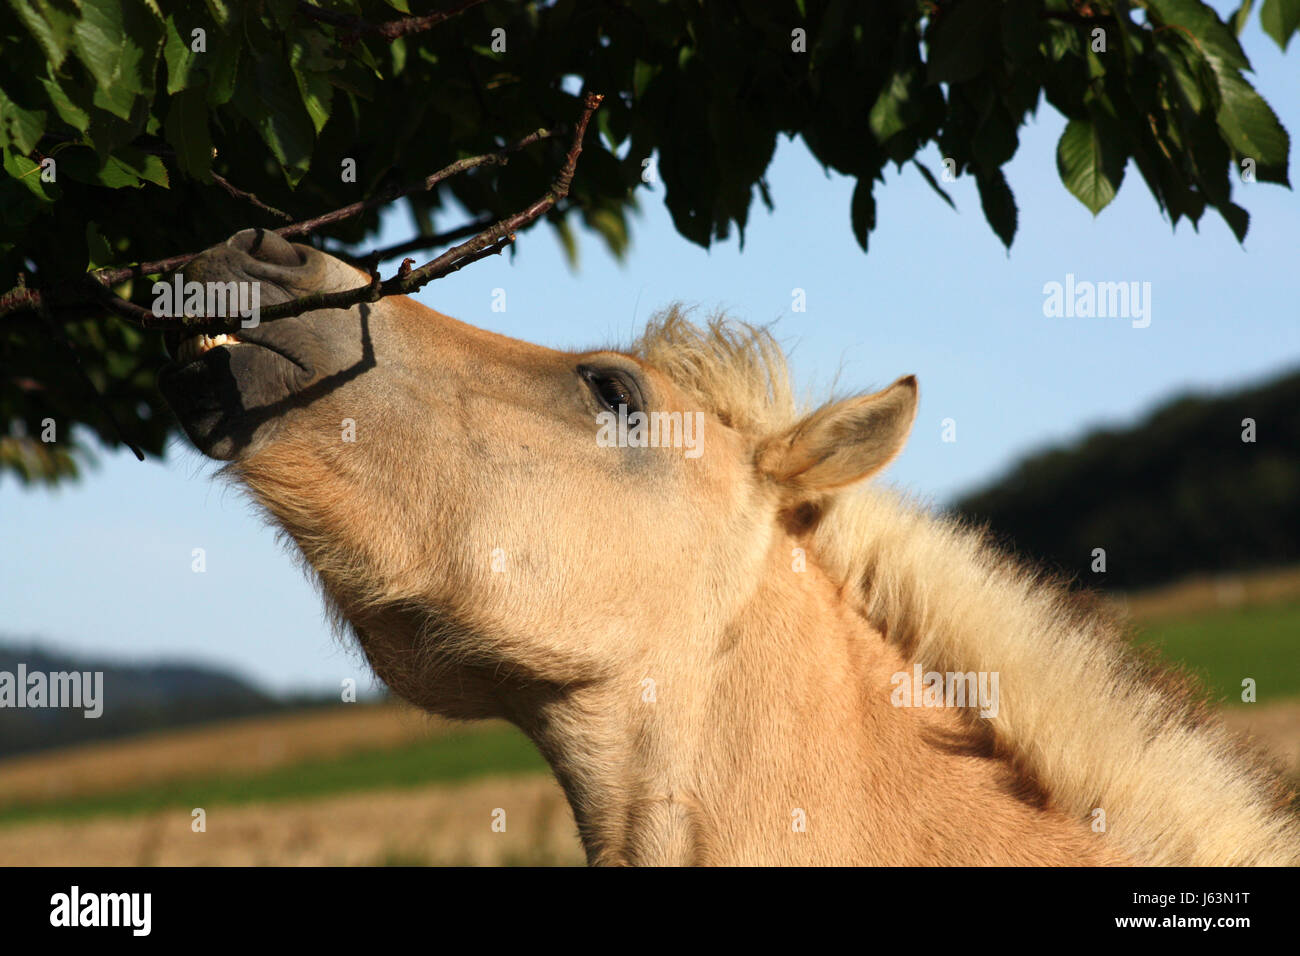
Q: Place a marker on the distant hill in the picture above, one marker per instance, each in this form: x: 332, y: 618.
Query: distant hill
x: 136, y: 699
x: 1178, y: 493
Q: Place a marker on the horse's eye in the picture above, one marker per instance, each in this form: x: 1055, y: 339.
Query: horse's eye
x: 612, y: 391
x: 612, y: 388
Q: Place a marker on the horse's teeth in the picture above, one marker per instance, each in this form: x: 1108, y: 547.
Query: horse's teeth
x: 194, y: 346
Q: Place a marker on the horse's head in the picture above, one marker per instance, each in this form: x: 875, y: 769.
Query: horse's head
x: 492, y: 515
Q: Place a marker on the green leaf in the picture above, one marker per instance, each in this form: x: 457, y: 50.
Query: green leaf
x: 268, y: 98
x: 183, y: 64
x: 186, y: 130
x: 100, y: 254
x: 25, y: 171
x: 22, y: 128
x: 996, y: 140
x: 1238, y: 219
x: 934, y: 183
x: 51, y: 24
x: 130, y: 168
x: 1250, y: 126
x: 397, y: 49
x: 611, y: 226
x: 100, y: 37
x: 1280, y: 19
x: 862, y: 211
x: 72, y: 113
x: 1091, y: 162
x: 107, y: 132
x: 888, y: 113
x: 568, y: 242
x: 1213, y: 36
x: 148, y: 166
x: 220, y: 10
x: 224, y: 72
x: 963, y: 41
x: 308, y: 60
x: 120, y: 48
x: 998, y: 204
x: 1187, y: 71
x: 1239, y: 19
x: 642, y: 74
x: 1063, y: 40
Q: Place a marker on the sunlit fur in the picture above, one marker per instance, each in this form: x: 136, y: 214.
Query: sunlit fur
x: 1093, y: 723
x: 769, y: 737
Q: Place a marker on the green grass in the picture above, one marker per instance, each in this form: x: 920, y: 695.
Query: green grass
x: 445, y: 759
x: 1223, y: 647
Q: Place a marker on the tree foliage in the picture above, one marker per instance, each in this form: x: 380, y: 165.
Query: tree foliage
x: 161, y: 117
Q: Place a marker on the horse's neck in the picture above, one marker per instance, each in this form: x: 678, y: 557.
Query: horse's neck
x: 785, y: 748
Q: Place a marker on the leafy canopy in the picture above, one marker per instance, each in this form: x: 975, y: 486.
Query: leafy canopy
x: 160, y: 114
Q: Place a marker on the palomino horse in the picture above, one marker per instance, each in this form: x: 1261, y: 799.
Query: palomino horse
x: 729, y: 650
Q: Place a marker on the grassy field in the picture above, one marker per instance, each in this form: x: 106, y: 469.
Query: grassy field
x: 1226, y: 645
x: 445, y: 759
x: 238, y: 747
x: 384, y: 784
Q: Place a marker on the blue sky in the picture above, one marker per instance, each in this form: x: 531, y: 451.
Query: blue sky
x: 104, y: 566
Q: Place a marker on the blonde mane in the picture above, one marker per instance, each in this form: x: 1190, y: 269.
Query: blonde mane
x: 1084, y: 717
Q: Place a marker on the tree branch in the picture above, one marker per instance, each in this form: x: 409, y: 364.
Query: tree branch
x: 488, y: 242
x: 375, y: 256
x: 21, y: 298
x: 241, y: 194
x: 391, y: 30
x: 499, y: 158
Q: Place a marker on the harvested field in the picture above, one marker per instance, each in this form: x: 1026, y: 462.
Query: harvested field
x: 431, y: 825
x: 236, y: 747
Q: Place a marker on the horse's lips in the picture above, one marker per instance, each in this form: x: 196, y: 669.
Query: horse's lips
x: 223, y: 395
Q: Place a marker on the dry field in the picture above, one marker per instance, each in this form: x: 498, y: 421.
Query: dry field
x: 1208, y: 593
x: 430, y: 825
x: 237, y: 747
x: 1275, y: 727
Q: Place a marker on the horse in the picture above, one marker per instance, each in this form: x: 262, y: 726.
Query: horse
x: 729, y: 644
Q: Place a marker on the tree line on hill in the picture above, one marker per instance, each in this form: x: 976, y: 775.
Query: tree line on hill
x: 131, y: 699
x: 1204, y: 484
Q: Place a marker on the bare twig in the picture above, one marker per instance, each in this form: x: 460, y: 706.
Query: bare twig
x: 391, y: 30
x: 416, y: 244
x: 241, y: 194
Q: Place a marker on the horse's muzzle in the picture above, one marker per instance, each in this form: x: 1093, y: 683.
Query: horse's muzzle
x: 224, y: 387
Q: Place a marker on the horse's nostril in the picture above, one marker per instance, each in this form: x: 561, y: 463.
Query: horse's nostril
x: 266, y: 246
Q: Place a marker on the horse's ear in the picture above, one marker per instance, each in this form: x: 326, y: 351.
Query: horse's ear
x: 842, y: 443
